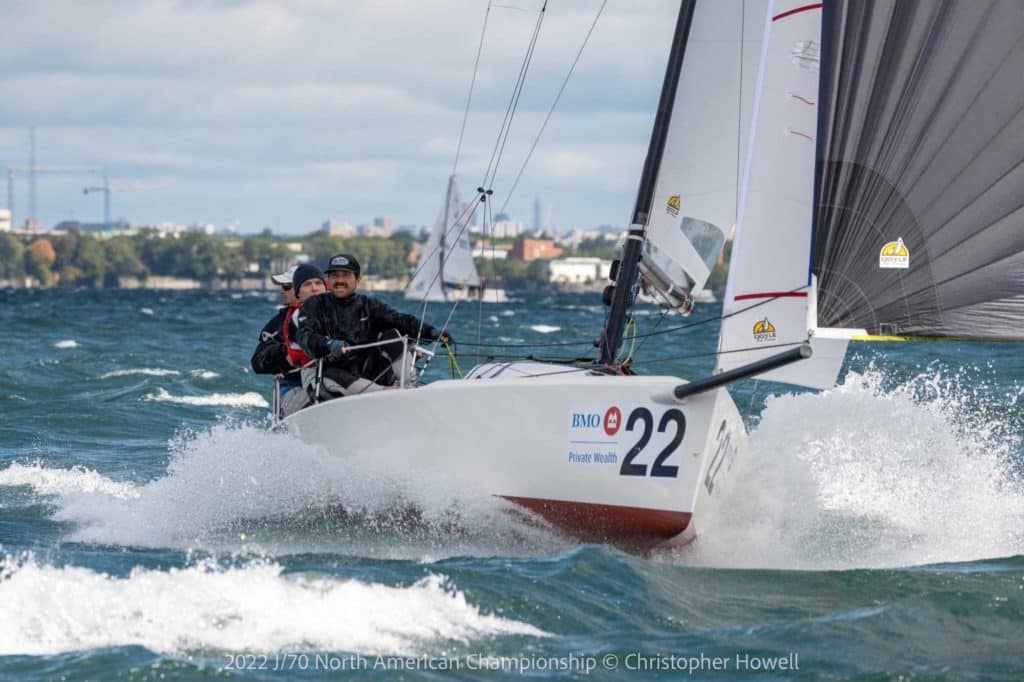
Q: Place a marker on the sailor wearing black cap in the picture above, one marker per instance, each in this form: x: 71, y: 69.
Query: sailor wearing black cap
x: 329, y: 324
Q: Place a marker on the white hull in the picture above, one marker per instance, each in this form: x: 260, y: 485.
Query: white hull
x: 557, y: 445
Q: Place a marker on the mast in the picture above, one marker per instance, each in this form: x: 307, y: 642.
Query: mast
x: 625, y: 281
x: 444, y: 233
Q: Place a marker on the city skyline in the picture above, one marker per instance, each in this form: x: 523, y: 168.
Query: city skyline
x: 256, y: 115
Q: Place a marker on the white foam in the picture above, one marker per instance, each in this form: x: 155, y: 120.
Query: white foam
x: 47, y: 481
x: 66, y: 343
x: 254, y: 607
x: 144, y: 371
x: 146, y: 311
x: 240, y: 488
x: 250, y: 399
x: 204, y: 374
x: 874, y: 475
x: 544, y: 328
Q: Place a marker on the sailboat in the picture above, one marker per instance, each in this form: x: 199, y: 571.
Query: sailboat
x: 826, y: 132
x: 446, y: 271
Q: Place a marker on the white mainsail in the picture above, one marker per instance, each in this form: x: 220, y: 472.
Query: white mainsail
x: 771, y: 298
x: 696, y: 192
x: 447, y: 257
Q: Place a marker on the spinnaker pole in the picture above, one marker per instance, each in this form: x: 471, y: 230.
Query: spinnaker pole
x: 625, y: 280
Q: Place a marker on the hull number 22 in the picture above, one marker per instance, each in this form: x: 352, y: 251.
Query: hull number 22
x: 673, y: 421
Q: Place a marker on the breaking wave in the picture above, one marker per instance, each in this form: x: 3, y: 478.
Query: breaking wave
x: 250, y: 399
x: 66, y: 343
x: 544, y: 328
x: 144, y: 371
x: 251, y: 607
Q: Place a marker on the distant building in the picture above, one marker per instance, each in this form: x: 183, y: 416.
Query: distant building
x: 338, y: 228
x: 205, y: 228
x: 506, y: 229
x: 375, y: 231
x: 490, y: 252
x: 578, y: 270
x: 5, y: 220
x: 527, y: 250
x: 385, y: 223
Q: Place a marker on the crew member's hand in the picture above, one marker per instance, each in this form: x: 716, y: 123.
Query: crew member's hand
x: 447, y: 339
x: 338, y: 348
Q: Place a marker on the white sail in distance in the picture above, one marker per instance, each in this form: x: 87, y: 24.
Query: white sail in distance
x: 447, y: 257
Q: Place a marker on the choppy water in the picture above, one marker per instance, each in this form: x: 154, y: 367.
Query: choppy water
x: 150, y: 528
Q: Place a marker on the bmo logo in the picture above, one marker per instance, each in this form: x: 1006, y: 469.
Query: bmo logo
x: 583, y: 420
x: 612, y: 420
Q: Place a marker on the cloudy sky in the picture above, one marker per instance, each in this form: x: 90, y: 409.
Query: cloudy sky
x: 283, y: 114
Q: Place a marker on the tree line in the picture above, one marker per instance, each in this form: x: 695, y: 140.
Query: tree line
x: 82, y: 259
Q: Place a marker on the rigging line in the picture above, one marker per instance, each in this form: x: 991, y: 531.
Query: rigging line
x: 510, y: 112
x: 480, y: 306
x: 724, y: 317
x: 725, y: 352
x: 551, y: 111
x: 472, y: 84
x: 664, y: 314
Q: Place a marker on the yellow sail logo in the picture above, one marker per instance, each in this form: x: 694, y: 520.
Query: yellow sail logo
x: 764, y: 331
x: 894, y: 255
x: 673, y: 205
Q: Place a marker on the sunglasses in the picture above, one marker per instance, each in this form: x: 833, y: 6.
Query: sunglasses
x: 286, y: 287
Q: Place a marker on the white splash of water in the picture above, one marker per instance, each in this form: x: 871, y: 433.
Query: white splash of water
x: 66, y: 343
x: 544, y: 328
x: 250, y: 399
x: 872, y: 474
x: 242, y: 489
x: 204, y: 374
x: 47, y: 481
x: 143, y: 371
x: 146, y: 311
x: 50, y: 610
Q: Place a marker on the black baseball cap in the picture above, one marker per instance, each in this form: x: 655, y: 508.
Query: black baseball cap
x: 344, y: 261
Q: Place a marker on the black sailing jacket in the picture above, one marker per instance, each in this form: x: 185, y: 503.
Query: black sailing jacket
x: 270, y: 356
x: 356, y: 319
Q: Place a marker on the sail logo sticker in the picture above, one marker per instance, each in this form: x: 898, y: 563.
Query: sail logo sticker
x: 764, y: 331
x: 673, y: 205
x: 894, y: 255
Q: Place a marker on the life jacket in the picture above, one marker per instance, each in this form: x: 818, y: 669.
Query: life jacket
x: 295, y: 352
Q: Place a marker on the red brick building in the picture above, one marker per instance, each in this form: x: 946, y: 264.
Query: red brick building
x: 525, y: 249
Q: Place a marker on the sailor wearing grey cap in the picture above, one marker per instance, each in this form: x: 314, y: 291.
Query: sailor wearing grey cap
x: 343, y: 317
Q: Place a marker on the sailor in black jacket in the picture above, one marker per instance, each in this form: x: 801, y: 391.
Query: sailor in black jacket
x: 331, y: 322
x: 271, y: 356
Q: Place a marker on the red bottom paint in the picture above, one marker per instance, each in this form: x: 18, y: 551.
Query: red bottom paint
x: 624, y: 526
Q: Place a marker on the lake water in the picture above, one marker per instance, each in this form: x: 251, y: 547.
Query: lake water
x: 151, y: 528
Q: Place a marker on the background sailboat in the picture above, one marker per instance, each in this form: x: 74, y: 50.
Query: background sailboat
x: 446, y: 271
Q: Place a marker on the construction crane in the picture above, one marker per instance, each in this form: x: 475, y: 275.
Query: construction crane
x: 12, y: 172
x: 105, y: 188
